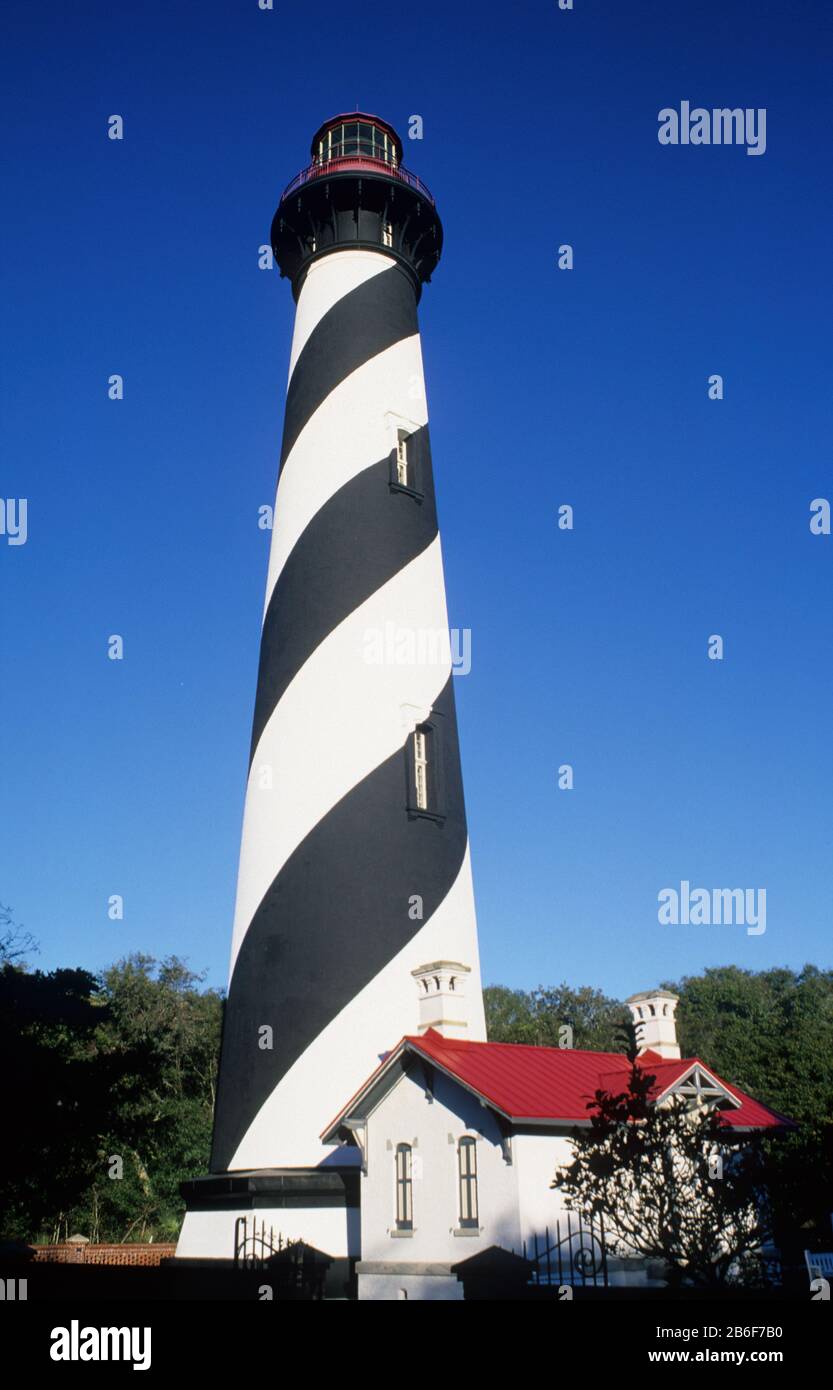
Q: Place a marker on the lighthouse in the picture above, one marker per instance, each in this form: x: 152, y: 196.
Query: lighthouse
x: 354, y: 863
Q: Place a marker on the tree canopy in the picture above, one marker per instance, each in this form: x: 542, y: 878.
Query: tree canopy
x: 110, y: 1090
x: 671, y: 1184
x: 769, y: 1032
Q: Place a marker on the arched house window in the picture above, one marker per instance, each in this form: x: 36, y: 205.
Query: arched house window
x: 467, y: 1178
x: 404, y: 1188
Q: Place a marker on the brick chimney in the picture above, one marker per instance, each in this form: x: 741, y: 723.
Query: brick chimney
x: 653, y: 1014
x: 442, y: 997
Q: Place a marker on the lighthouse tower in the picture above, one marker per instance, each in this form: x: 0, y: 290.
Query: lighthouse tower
x: 354, y: 865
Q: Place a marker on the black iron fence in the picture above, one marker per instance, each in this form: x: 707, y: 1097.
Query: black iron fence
x: 254, y: 1246
x: 573, y: 1252
x: 290, y: 1267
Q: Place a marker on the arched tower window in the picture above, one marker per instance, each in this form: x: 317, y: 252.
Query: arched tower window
x: 467, y: 1175
x: 404, y: 1189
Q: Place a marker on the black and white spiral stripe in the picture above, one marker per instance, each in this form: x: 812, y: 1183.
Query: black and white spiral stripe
x: 323, y: 942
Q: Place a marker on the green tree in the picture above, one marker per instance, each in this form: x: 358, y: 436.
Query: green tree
x: 51, y: 1096
x: 513, y: 1015
x: 669, y: 1185
x: 105, y: 1075
x: 771, y: 1033
x: 15, y: 942
x: 158, y: 1043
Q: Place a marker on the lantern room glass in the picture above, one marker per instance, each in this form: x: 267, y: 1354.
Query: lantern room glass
x: 357, y: 140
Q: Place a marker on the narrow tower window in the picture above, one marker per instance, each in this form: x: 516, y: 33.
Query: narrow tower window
x: 387, y: 234
x: 421, y: 768
x: 402, y: 459
x: 423, y: 750
x: 467, y: 1172
x: 408, y: 459
x: 404, y: 1189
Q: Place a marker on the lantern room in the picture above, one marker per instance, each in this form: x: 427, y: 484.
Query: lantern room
x: 356, y: 193
x: 356, y: 136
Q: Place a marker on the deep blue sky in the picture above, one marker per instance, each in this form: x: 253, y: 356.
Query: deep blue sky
x: 587, y: 387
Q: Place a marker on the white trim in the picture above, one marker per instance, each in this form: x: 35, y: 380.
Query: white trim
x: 676, y: 1087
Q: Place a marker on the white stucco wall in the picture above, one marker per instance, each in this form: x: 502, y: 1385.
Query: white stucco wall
x: 424, y: 1288
x: 536, y: 1158
x: 210, y: 1234
x: 405, y: 1115
x: 516, y: 1201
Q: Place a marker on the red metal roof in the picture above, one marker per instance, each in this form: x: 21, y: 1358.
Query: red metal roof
x: 553, y: 1084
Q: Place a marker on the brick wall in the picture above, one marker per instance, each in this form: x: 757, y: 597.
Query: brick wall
x: 134, y: 1255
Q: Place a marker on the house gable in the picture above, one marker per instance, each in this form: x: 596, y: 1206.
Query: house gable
x: 430, y: 1121
x: 702, y: 1087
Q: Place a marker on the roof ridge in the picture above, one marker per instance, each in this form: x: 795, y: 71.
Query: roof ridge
x: 529, y: 1047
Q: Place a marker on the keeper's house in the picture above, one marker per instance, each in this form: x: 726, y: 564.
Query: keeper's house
x: 459, y: 1140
